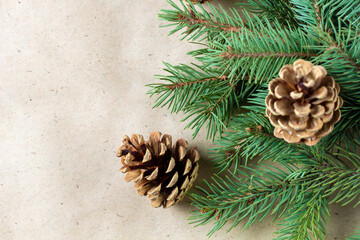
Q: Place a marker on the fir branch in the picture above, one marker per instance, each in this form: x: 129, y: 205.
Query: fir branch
x: 251, y: 136
x: 305, y: 218
x: 315, y: 17
x: 193, y: 20
x: 300, y: 193
x: 347, y: 10
x: 342, y: 184
x: 347, y: 131
x: 256, y: 101
x: 318, y: 13
x: 307, y: 13
x: 253, y: 197
x: 346, y: 56
x: 355, y: 236
x: 345, y: 42
x: 182, y: 84
x: 216, y: 108
x: 255, y: 51
x: 343, y: 63
x: 281, y: 10
x: 339, y: 44
x: 253, y: 54
x: 180, y: 89
x: 229, y: 55
x: 201, y: 23
x: 206, y: 95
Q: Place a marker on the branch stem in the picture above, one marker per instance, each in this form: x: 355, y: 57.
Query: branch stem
x: 193, y: 20
x: 182, y: 84
x: 229, y: 55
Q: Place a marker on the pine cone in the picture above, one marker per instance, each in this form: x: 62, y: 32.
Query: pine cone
x: 303, y: 104
x: 162, y: 172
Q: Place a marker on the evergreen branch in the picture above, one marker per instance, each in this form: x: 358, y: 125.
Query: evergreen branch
x: 256, y: 101
x: 316, y: 19
x: 216, y: 108
x: 182, y: 84
x: 341, y: 57
x: 250, y: 136
x: 340, y: 183
x: 345, y: 71
x: 181, y: 90
x: 264, y: 190
x: 346, y: 131
x: 308, y: 14
x: 229, y: 55
x: 201, y: 23
x: 301, y: 194
x: 349, y: 152
x: 207, y: 94
x: 194, y: 20
x: 305, y: 218
x: 253, y: 54
x: 317, y: 13
x: 346, y: 10
x: 355, y: 236
x: 345, y: 55
x: 281, y: 10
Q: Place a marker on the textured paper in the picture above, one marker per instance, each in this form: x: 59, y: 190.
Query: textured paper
x: 71, y: 85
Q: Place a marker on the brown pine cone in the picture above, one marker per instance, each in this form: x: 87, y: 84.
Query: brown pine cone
x: 303, y: 104
x: 162, y: 172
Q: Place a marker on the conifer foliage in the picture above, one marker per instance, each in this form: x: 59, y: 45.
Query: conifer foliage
x: 243, y: 49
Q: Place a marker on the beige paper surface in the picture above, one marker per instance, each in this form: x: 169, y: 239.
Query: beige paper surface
x: 71, y: 85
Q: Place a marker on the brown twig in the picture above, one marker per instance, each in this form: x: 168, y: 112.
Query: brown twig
x: 178, y: 85
x: 346, y: 57
x: 195, y: 20
x: 229, y: 55
x: 318, y: 13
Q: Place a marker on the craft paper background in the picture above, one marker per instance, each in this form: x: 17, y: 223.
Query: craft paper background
x: 72, y: 83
